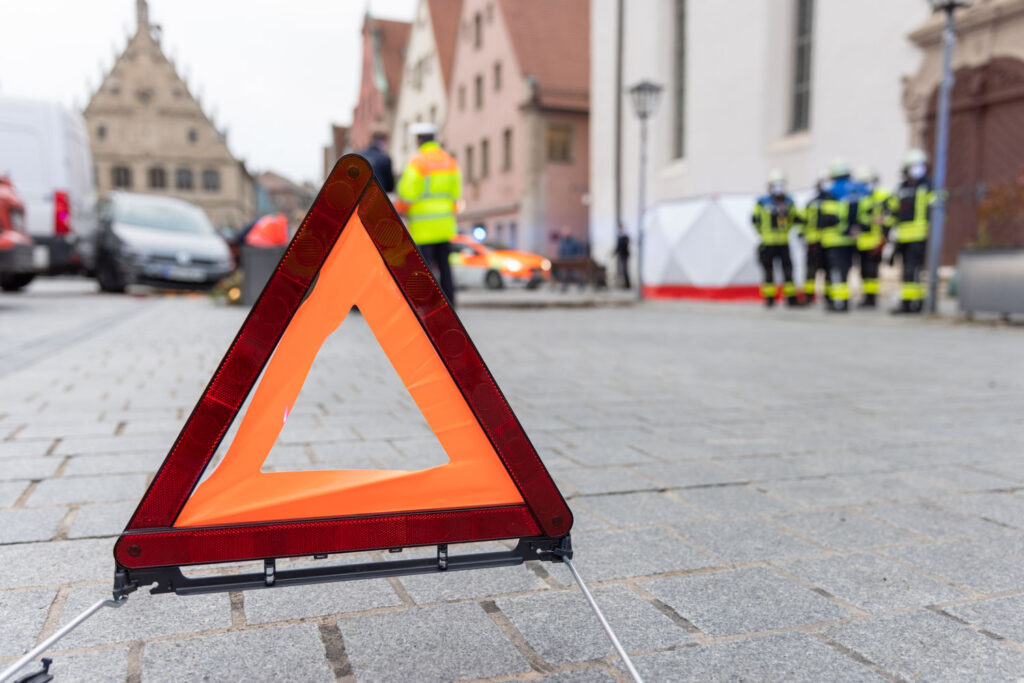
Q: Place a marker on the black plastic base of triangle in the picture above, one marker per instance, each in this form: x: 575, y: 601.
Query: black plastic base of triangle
x: 172, y: 580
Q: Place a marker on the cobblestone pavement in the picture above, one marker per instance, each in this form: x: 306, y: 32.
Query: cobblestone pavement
x: 758, y: 496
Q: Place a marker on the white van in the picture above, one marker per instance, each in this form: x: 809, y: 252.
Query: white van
x: 44, y: 149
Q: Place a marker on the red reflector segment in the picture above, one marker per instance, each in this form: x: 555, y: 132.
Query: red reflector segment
x: 160, y: 535
x: 61, y: 213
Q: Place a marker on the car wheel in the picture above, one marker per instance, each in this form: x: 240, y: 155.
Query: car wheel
x: 15, y: 282
x: 493, y: 280
x: 109, y: 276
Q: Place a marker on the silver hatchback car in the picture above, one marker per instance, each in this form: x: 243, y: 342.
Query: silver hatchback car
x: 160, y: 241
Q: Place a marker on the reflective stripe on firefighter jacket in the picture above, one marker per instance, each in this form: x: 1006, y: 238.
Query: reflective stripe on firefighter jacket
x: 874, y: 218
x: 908, y: 210
x: 430, y: 185
x: 811, y: 229
x: 834, y: 223
x: 773, y: 217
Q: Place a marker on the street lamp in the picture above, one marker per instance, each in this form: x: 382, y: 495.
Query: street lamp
x: 645, y: 96
x: 941, y: 147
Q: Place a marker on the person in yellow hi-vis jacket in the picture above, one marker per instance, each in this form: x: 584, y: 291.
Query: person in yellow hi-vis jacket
x: 430, y: 186
x: 875, y: 222
x: 910, y: 208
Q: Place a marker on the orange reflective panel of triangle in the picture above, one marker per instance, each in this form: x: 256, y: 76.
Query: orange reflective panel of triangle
x: 238, y: 492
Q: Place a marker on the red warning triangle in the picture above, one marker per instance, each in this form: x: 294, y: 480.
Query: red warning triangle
x: 351, y: 249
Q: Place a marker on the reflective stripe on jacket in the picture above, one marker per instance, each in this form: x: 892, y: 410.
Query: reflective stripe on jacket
x: 431, y: 184
x: 873, y: 217
x: 834, y: 222
x: 773, y: 217
x: 908, y: 209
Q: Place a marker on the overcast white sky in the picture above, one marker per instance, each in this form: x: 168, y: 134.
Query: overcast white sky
x: 276, y: 73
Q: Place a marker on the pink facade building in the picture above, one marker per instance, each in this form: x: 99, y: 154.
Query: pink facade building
x: 517, y: 122
x: 384, y: 44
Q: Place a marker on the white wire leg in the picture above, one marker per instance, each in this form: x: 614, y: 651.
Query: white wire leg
x: 57, y: 635
x: 604, y: 623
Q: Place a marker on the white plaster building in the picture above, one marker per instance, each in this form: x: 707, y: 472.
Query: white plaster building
x: 427, y: 72
x: 733, y: 106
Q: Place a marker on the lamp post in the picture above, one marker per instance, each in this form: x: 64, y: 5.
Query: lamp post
x: 941, y: 147
x: 645, y: 100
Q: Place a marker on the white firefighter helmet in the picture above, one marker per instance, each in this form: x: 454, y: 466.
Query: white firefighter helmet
x: 838, y: 167
x: 776, y: 177
x: 914, y: 157
x: 864, y: 174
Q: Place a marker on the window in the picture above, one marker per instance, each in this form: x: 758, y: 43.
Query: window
x: 512, y: 235
x: 211, y: 180
x: 157, y: 178
x: 144, y: 96
x: 506, y: 149
x: 183, y: 179
x: 560, y: 143
x: 478, y: 31
x: 478, y: 92
x: 192, y: 135
x: 800, y: 118
x: 121, y: 176
x: 485, y: 158
x: 101, y: 132
x: 462, y: 98
x: 679, y: 83
x: 469, y: 163
x: 433, y: 113
x: 497, y: 76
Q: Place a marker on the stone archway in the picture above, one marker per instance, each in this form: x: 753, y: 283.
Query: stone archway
x: 986, y: 155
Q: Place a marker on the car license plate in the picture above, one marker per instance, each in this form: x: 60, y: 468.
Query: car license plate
x: 41, y: 257
x: 184, y: 274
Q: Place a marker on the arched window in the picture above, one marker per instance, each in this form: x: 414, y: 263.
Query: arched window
x: 192, y: 135
x: 121, y: 176
x: 211, y: 180
x: 157, y: 178
x: 184, y: 179
x: 101, y: 131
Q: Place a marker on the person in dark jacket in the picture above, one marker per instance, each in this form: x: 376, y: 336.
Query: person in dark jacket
x: 622, y: 256
x: 380, y: 161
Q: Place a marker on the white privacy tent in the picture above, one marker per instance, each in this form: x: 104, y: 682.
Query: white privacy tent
x: 706, y: 248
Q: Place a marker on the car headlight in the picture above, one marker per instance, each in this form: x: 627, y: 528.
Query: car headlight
x: 545, y: 265
x: 513, y: 265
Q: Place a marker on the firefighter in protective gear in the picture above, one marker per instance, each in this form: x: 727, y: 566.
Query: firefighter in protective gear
x: 837, y: 219
x: 811, y: 234
x: 908, y: 210
x: 774, y: 215
x: 874, y: 220
x: 430, y: 186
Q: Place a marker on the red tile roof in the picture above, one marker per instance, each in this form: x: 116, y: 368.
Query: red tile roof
x: 552, y: 43
x: 394, y: 36
x: 444, y: 16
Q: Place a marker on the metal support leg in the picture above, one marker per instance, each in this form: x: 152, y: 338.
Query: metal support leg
x: 604, y: 623
x: 58, y: 634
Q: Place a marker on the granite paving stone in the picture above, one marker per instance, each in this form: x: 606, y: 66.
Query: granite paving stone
x: 925, y: 646
x: 55, y: 562
x: 791, y: 657
x: 28, y: 468
x: 745, y: 540
x: 758, y: 468
x: 282, y: 653
x: 113, y: 444
x: 615, y: 554
x: 23, y: 615
x: 23, y: 449
x: 50, y: 430
x: 320, y: 599
x: 638, y: 509
x: 63, y: 490
x: 588, y: 675
x: 10, y: 491
x: 934, y: 520
x: 816, y: 492
x: 561, y: 627
x: 600, y: 480
x: 102, y: 519
x: 872, y: 583
x: 481, y: 583
x: 987, y: 567
x: 1002, y: 508
x: 441, y: 642
x: 734, y: 501
x: 743, y: 601
x: 843, y: 529
x: 142, y: 616
x: 690, y: 473
x: 110, y: 664
x: 1002, y: 616
x: 123, y: 463
x: 30, y: 524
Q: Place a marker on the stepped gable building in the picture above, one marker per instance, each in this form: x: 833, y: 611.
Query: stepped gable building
x: 427, y: 76
x: 149, y: 135
x: 518, y: 119
x: 384, y: 44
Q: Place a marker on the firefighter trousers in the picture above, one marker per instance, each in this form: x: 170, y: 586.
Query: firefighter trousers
x: 815, y: 264
x: 840, y: 260
x: 769, y: 255
x: 870, y: 260
x: 912, y: 290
